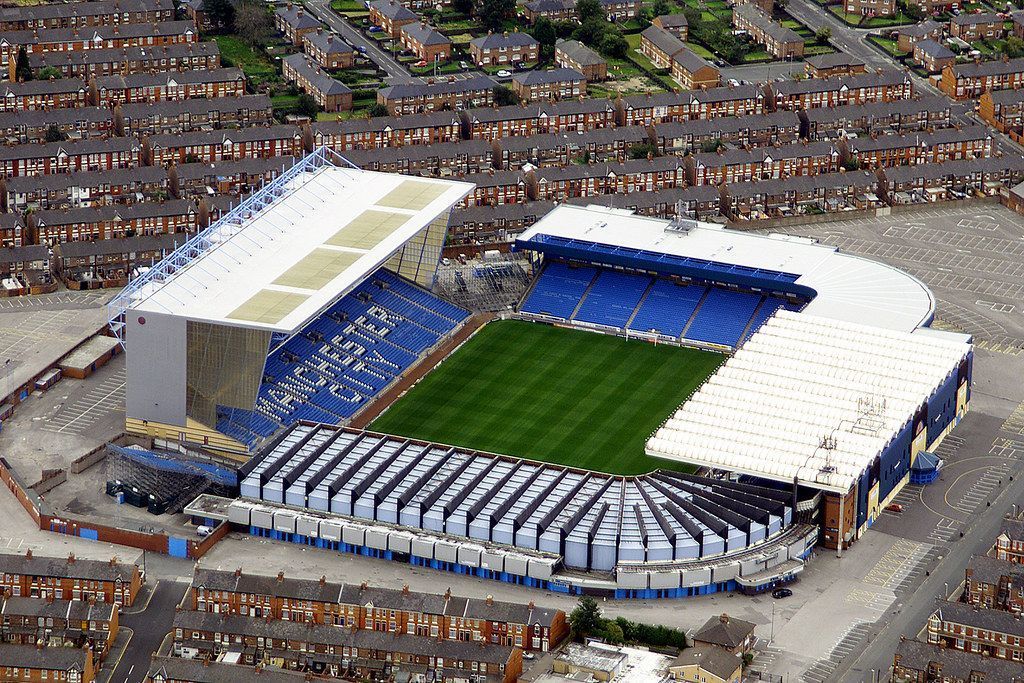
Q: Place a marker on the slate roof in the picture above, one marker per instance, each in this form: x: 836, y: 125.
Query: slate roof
x: 62, y: 181
x: 315, y: 76
x: 673, y: 20
x: 662, y: 39
x: 997, y: 620
x: 920, y: 30
x: 425, y: 34
x: 956, y: 664
x: 496, y: 41
x: 57, y: 86
x: 73, y: 147
x: 562, y: 75
x: 579, y: 53
x: 991, y: 570
x: 966, y: 19
x: 251, y: 166
x: 933, y: 49
x: 178, y: 51
x: 832, y: 60
x: 995, y: 67
x: 31, y: 252
x: 328, y: 42
x: 197, y: 105
x: 204, y: 671
x: 395, y: 11
x: 122, y: 245
x: 170, y: 78
x: 823, y: 181
x: 124, y: 212
x: 382, y: 123
x: 724, y: 631
x: 47, y: 658
x: 407, y: 90
x: 296, y: 17
x: 61, y: 567
x: 926, y: 103
x: 774, y: 29
x: 691, y: 61
x: 715, y: 660
x: 865, y: 80
x: 261, y: 584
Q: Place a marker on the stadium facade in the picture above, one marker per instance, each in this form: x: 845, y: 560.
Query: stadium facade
x: 272, y: 329
x: 206, y: 322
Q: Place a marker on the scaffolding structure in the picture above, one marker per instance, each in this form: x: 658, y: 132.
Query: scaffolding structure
x: 485, y: 286
x: 163, y: 481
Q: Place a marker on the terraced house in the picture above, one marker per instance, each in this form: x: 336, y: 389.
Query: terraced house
x: 106, y: 222
x: 327, y: 50
x: 89, y: 64
x: 970, y: 80
x: 101, y: 154
x: 59, y: 623
x: 294, y: 23
x: 98, y: 13
x: 693, y: 72
x: 762, y: 163
x: 499, y: 49
x: 994, y: 584
x: 779, y: 41
x: 415, y: 98
x: 644, y: 110
x: 572, y: 54
x: 222, y: 145
x: 972, y: 142
x: 159, y: 87
x: 1010, y: 541
x: 391, y: 16
x: 330, y: 94
x: 74, y: 190
x: 426, y: 42
x: 552, y: 84
x: 184, y: 116
x: 340, y: 652
x: 388, y: 131
x: 43, y: 95
x: 1003, y: 110
x: 973, y: 27
x: 811, y: 93
x: 686, y: 137
x: 902, y: 116
x: 31, y: 664
x: 70, y: 578
x: 989, y: 632
x: 78, y: 39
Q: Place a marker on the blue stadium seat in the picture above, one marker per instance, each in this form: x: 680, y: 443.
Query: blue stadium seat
x: 612, y: 298
x: 723, y: 317
x: 667, y: 308
x: 341, y: 360
x: 558, y: 290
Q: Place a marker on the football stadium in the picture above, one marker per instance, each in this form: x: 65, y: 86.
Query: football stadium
x: 672, y: 408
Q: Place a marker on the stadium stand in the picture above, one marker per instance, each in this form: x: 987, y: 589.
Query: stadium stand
x: 695, y: 312
x: 451, y: 504
x: 343, y: 358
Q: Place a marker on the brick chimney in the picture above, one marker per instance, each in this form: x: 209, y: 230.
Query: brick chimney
x: 323, y: 579
x: 490, y: 601
x: 71, y: 558
x: 405, y: 588
x: 28, y: 554
x: 280, y: 577
x: 238, y: 572
x: 363, y: 586
x: 724, y: 618
x: 531, y: 605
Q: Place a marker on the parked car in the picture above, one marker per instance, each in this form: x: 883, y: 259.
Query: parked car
x: 894, y: 507
x: 780, y: 593
x: 375, y: 29
x: 504, y: 73
x: 361, y: 49
x: 421, y: 63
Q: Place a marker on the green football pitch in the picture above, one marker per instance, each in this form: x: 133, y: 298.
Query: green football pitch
x: 562, y: 396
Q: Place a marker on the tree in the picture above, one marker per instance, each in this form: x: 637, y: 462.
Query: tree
x: 504, y: 95
x: 586, y: 617
x: 463, y: 6
x: 307, y: 106
x: 220, y: 13
x: 613, y: 633
x: 564, y: 28
x: 49, y: 72
x: 587, y: 10
x: 645, y: 17
x: 544, y: 31
x: 493, y: 13
x: 253, y: 23
x: 377, y: 109
x: 613, y: 44
x: 661, y: 7
x: 642, y: 150
x: 591, y: 32
x: 22, y: 70
x: 54, y: 134
x: 1014, y: 47
x: 823, y: 34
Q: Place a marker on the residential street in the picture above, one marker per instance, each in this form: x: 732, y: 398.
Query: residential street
x: 321, y: 9
x: 149, y: 627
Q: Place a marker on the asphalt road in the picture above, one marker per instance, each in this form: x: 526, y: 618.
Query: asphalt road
x: 844, y: 38
x: 148, y: 630
x: 911, y: 617
x: 397, y: 73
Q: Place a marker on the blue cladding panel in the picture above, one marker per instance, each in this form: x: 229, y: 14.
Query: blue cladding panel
x: 177, y: 547
x: 90, y: 534
x: 895, y: 463
x: 558, y: 290
x: 942, y: 408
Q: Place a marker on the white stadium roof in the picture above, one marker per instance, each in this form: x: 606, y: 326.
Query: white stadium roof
x: 848, y: 287
x: 809, y: 397
x: 276, y: 268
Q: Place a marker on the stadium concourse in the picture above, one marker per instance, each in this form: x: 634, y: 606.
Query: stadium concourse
x: 270, y: 331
